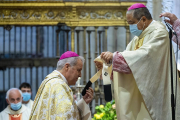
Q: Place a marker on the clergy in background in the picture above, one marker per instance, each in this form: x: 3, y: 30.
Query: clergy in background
x: 141, y: 73
x: 26, y: 93
x: 15, y: 110
x: 54, y: 99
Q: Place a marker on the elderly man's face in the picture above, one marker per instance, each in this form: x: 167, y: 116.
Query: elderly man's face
x: 131, y: 20
x: 74, y: 72
x: 14, y: 97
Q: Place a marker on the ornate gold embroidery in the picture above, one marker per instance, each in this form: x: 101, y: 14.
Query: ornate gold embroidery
x: 55, y: 101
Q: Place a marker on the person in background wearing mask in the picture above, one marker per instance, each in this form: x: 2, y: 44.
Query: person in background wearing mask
x: 15, y: 110
x: 141, y: 73
x: 26, y: 93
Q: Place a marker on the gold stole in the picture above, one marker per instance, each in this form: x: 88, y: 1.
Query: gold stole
x: 38, y: 94
x: 139, y: 43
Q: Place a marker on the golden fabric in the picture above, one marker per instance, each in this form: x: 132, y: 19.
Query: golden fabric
x: 146, y: 93
x: 15, y: 117
x: 54, y: 100
x: 139, y: 43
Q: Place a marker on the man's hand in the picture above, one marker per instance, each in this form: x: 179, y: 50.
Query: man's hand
x: 172, y: 17
x: 99, y: 65
x: 107, y: 56
x: 88, y: 97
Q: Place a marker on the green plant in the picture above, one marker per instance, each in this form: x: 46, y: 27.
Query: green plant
x: 107, y: 112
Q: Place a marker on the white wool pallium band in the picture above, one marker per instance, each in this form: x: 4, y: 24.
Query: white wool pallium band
x: 106, y: 73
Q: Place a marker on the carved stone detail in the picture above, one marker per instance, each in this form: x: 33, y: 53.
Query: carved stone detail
x: 6, y: 14
x: 102, y: 14
x: 118, y: 15
x: 62, y: 15
x: 84, y: 15
x: 24, y: 15
x: 37, y: 15
x: 32, y: 14
x: 14, y: 14
x: 50, y: 14
x: 54, y: 14
x: 69, y: 13
x: 107, y: 15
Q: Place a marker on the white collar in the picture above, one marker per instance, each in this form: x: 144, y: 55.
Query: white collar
x: 152, y: 22
x: 64, y: 79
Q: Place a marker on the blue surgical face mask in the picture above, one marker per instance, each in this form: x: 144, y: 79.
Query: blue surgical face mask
x: 16, y: 106
x: 134, y: 29
x: 26, y: 96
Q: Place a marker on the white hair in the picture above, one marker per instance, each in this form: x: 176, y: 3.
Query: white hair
x: 7, y: 93
x: 72, y: 61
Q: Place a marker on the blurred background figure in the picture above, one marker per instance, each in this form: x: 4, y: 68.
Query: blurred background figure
x: 75, y: 98
x: 175, y: 22
x: 15, y: 110
x: 26, y: 93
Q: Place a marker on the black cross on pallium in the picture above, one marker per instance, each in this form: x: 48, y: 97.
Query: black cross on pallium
x: 105, y: 73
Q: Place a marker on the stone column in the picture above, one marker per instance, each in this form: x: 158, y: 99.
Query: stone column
x: 67, y: 39
x: 77, y: 31
x: 115, y: 34
x: 96, y: 83
x: 127, y: 35
x: 72, y: 39
x: 85, y: 52
x: 105, y: 40
x: 57, y: 43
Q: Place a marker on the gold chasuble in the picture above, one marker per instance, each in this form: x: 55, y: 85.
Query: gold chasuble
x: 146, y: 93
x: 54, y: 100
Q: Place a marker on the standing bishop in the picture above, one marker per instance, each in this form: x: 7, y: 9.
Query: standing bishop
x: 141, y: 73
